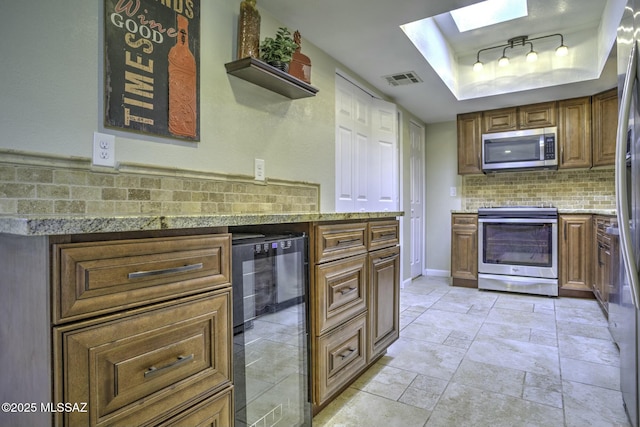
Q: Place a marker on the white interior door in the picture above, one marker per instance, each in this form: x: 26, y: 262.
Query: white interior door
x: 353, y: 146
x: 416, y: 166
x: 384, y: 184
x: 367, y: 177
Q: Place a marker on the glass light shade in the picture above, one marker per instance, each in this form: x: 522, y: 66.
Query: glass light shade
x: 532, y: 56
x: 478, y: 66
x: 562, y: 50
x: 503, y: 62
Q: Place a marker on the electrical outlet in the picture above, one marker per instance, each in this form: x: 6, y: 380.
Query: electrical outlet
x: 104, y: 149
x: 453, y: 191
x: 258, y: 169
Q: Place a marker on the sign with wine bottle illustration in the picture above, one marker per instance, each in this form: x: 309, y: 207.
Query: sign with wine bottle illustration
x: 152, y: 67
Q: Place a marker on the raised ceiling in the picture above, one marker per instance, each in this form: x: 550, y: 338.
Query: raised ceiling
x: 367, y: 38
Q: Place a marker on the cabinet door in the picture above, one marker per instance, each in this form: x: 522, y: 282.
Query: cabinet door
x: 575, y: 252
x: 384, y: 301
x: 469, y: 143
x: 137, y: 369
x: 340, y: 355
x: 499, y: 120
x: 605, y: 123
x: 214, y: 411
x: 537, y: 115
x: 464, y: 247
x: 574, y: 132
x: 341, y: 291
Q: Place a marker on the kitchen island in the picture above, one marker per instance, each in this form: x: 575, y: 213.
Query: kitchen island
x: 108, y: 313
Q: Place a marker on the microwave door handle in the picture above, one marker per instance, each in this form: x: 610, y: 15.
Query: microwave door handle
x: 541, y: 143
x: 622, y: 207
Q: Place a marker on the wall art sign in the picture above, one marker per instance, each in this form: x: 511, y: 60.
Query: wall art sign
x: 152, y: 67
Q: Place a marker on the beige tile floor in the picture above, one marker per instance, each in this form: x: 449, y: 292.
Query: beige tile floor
x: 479, y: 358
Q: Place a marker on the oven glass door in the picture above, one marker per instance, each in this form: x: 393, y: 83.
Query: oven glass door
x: 525, y: 247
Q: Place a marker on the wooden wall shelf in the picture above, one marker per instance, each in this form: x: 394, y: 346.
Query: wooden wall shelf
x: 268, y: 77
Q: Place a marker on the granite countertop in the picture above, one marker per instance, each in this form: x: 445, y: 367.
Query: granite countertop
x: 611, y: 212
x: 42, y: 225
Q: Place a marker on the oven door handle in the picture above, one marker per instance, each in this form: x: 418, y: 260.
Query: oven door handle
x: 519, y: 220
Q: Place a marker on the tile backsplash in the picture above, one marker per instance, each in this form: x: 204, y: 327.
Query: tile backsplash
x: 37, y: 184
x: 565, y: 189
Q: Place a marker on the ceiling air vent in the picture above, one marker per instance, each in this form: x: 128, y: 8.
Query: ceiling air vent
x: 402, y: 79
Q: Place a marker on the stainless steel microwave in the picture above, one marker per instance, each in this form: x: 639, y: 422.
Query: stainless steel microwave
x: 520, y: 149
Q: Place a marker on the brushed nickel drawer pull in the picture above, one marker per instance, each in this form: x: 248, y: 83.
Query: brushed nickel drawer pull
x: 152, y: 371
x: 341, y: 242
x: 382, y: 258
x: 347, y: 291
x: 347, y: 353
x: 184, y: 268
x: 389, y: 234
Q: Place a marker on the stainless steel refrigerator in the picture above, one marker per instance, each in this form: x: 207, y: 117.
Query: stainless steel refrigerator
x: 624, y: 301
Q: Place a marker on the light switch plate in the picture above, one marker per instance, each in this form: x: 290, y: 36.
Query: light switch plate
x: 258, y: 169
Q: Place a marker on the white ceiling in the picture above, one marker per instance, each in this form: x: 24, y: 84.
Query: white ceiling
x: 365, y: 36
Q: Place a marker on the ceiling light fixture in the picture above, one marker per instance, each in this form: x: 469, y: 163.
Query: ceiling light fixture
x: 514, y: 42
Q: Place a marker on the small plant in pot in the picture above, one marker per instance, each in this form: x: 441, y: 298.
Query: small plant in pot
x: 278, y: 51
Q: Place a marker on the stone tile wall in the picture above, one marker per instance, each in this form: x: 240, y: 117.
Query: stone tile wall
x: 35, y: 184
x: 565, y: 189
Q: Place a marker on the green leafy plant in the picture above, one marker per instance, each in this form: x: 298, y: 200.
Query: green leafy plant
x: 278, y: 49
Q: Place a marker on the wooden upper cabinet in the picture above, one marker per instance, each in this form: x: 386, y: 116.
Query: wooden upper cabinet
x: 500, y: 120
x: 574, y: 132
x: 525, y: 117
x: 605, y: 123
x: 469, y: 143
x: 537, y: 115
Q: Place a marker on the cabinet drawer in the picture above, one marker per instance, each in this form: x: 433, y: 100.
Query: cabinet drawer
x: 341, y: 291
x: 214, y: 411
x: 335, y: 241
x: 462, y: 219
x: 340, y: 355
x: 140, y: 368
x: 101, y: 277
x: 383, y: 234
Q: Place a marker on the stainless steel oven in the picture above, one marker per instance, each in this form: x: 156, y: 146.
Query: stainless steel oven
x: 518, y: 250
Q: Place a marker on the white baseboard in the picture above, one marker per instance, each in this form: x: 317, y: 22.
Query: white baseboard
x: 438, y: 273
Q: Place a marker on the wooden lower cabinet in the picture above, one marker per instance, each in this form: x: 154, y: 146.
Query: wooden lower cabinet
x: 603, y: 260
x: 384, y: 299
x: 119, y: 327
x: 214, y: 411
x: 138, y: 369
x: 464, y: 250
x: 340, y: 355
x: 355, y: 307
x: 575, y: 255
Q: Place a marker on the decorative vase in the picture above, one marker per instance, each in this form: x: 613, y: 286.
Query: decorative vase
x: 300, y: 63
x: 283, y: 66
x: 248, y: 30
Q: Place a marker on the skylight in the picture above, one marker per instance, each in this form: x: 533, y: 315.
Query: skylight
x: 487, y: 13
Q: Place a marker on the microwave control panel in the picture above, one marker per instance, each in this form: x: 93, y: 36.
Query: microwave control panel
x: 549, y: 147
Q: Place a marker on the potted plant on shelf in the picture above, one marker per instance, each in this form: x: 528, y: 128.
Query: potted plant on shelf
x: 278, y: 51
